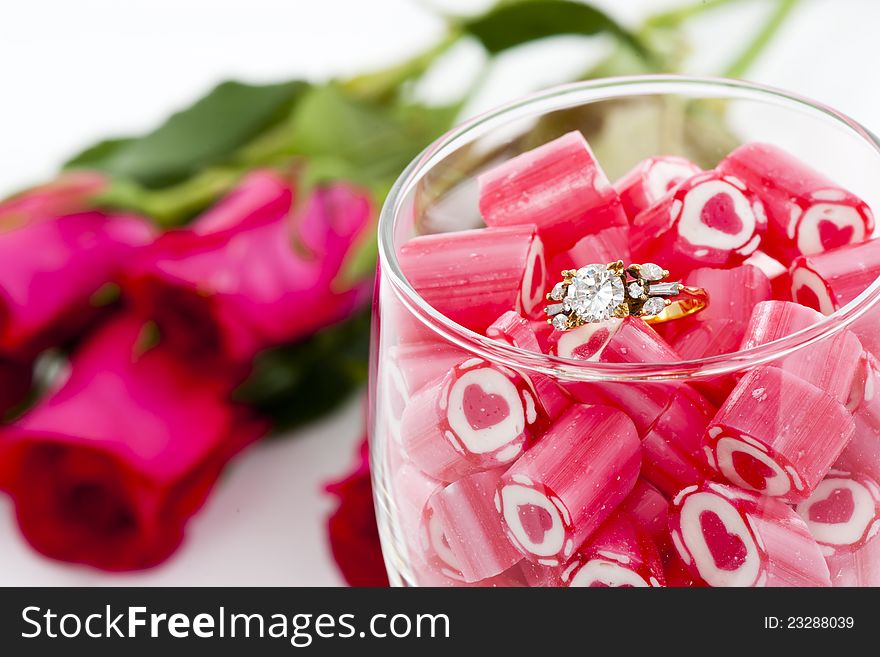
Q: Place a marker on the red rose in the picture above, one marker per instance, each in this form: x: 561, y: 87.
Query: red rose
x: 70, y: 192
x: 354, y: 537
x: 256, y: 271
x: 107, y: 469
x: 50, y: 268
x: 15, y: 382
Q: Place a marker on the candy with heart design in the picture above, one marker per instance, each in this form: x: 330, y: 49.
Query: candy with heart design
x: 829, y: 280
x: 709, y: 220
x: 473, y: 276
x: 672, y: 449
x: 807, y: 213
x: 476, y: 417
x: 843, y: 513
x: 558, y: 186
x: 650, y: 180
x: 777, y: 434
x: 731, y: 537
x: 466, y: 513
x: 515, y: 330
x: 561, y: 490
x: 420, y: 535
x: 620, y: 554
x: 830, y: 364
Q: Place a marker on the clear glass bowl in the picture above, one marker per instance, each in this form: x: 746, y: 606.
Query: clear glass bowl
x: 523, y: 525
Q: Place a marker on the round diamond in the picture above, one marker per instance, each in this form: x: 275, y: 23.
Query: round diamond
x: 653, y: 306
x: 560, y: 322
x: 636, y: 290
x: 594, y: 293
x: 651, y: 272
x: 558, y: 292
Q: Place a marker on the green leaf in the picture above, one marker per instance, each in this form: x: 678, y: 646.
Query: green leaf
x: 298, y: 383
x: 206, y: 134
x: 513, y: 24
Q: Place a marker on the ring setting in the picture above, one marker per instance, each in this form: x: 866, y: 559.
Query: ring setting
x: 596, y: 292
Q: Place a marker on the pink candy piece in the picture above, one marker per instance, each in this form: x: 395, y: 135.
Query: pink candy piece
x: 707, y: 338
x: 732, y: 295
x: 650, y: 180
x: 420, y: 363
x: 672, y: 451
x: 465, y: 510
x: 557, y: 493
x: 843, y: 513
x: 474, y: 418
x: 830, y: 364
x: 608, y: 245
x: 619, y: 555
x: 517, y: 331
x: 830, y: 280
x: 807, y: 213
x: 648, y: 508
x: 858, y: 568
x: 473, y: 276
x: 424, y: 537
x: 558, y: 186
x: 777, y: 434
x: 709, y: 220
x: 731, y: 537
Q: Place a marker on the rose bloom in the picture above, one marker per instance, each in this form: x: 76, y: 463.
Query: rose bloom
x: 259, y: 269
x: 109, y: 466
x: 70, y: 192
x: 352, y: 530
x: 52, y: 270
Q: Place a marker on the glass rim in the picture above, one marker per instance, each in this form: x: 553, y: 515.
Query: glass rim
x: 581, y: 93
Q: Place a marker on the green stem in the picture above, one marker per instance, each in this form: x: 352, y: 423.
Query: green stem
x: 747, y: 57
x: 379, y: 85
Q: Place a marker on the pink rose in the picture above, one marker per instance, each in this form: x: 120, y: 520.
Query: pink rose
x: 107, y: 469
x: 50, y: 268
x: 256, y: 271
x: 70, y: 192
x: 354, y: 537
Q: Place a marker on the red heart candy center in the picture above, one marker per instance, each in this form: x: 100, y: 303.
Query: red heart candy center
x: 591, y: 346
x: 754, y: 472
x: 719, y: 214
x: 536, y: 521
x: 727, y: 549
x: 537, y: 277
x: 806, y: 297
x: 832, y: 235
x: 838, y: 507
x: 483, y: 410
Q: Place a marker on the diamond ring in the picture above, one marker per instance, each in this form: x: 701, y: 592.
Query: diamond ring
x: 598, y: 292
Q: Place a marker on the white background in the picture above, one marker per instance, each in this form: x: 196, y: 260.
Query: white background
x: 74, y: 71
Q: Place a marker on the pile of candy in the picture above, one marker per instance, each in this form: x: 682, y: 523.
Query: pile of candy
x: 763, y: 478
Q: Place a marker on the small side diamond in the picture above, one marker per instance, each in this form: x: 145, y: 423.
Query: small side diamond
x: 653, y: 306
x: 651, y: 272
x: 554, y: 308
x: 558, y: 292
x: 560, y: 322
x: 664, y: 289
x: 635, y: 290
